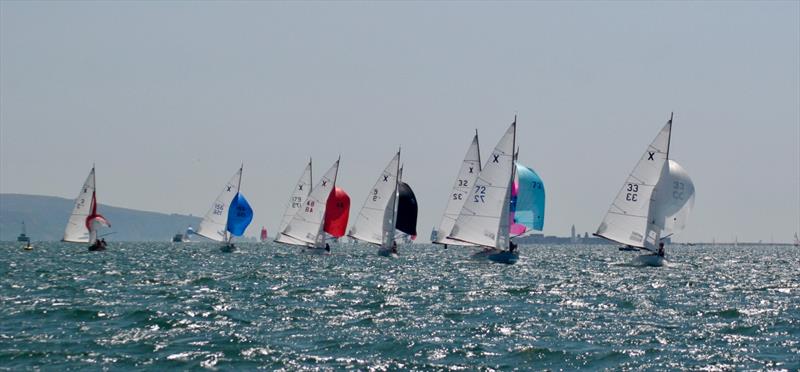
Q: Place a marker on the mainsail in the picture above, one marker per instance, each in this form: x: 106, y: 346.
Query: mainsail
x: 81, y: 226
x: 337, y: 212
x: 483, y: 220
x: 375, y: 221
x: 215, y: 223
x: 470, y: 167
x: 307, y: 225
x: 627, y: 220
x: 296, y: 201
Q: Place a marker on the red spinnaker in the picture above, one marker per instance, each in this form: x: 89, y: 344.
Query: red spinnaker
x: 94, y: 216
x: 337, y: 212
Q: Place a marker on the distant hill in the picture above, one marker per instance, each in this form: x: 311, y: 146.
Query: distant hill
x: 46, y: 216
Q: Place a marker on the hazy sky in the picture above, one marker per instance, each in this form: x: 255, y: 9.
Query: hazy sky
x: 167, y: 98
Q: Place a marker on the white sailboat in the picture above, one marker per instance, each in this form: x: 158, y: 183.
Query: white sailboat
x: 84, y: 221
x: 484, y: 217
x: 375, y: 223
x: 307, y: 226
x: 229, y: 216
x: 470, y: 168
x: 296, y: 202
x: 653, y: 204
x: 796, y: 240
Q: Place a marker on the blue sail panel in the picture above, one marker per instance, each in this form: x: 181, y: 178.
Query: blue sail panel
x: 530, y: 199
x: 239, y: 215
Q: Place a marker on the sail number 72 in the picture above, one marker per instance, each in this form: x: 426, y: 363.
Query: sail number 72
x: 480, y: 194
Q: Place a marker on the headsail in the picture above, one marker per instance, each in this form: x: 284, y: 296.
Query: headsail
x: 307, y: 225
x: 337, y: 212
x: 263, y: 236
x: 375, y: 221
x: 530, y: 201
x: 627, y: 219
x: 240, y: 214
x: 296, y: 202
x: 674, y: 199
x: 484, y: 218
x: 406, y: 210
x: 81, y: 224
x: 467, y: 174
x: 214, y: 224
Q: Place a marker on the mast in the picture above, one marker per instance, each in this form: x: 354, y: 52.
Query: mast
x: 396, y: 197
x: 311, y: 175
x: 669, y: 136
x: 478, y: 143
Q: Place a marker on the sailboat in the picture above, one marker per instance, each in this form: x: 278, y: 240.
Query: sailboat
x: 470, y: 168
x: 229, y: 216
x: 796, y: 240
x: 84, y: 221
x: 23, y: 237
x: 263, y: 236
x: 296, y: 201
x: 653, y: 204
x: 375, y: 223
x: 484, y: 217
x: 308, y: 224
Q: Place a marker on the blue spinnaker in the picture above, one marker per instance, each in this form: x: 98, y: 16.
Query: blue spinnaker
x: 239, y: 215
x: 530, y: 199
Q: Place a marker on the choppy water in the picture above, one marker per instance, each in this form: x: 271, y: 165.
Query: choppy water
x: 156, y: 306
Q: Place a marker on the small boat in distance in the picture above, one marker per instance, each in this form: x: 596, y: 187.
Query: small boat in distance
x: 84, y: 221
x: 229, y: 216
x: 653, y: 203
x: 796, y: 240
x: 263, y: 237
x: 23, y: 237
x: 484, y: 219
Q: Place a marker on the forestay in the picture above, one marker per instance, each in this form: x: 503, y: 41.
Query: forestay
x: 484, y: 218
x: 627, y: 219
x: 307, y: 225
x: 296, y: 201
x: 375, y: 221
x: 467, y: 174
x: 214, y: 224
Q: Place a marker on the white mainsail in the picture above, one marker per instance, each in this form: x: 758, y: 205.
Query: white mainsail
x: 308, y: 224
x: 673, y: 199
x: 77, y: 230
x: 627, y: 220
x: 483, y: 219
x: 470, y: 168
x: 214, y: 224
x: 375, y: 221
x: 296, y: 202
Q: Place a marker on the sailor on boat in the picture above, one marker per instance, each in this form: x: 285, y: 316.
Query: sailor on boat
x: 661, y: 249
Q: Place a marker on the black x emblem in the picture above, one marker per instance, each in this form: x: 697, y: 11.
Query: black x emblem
x: 470, y: 169
x: 300, y: 187
x: 651, y: 156
x: 229, y: 188
x: 324, y: 183
x: 385, y: 178
x: 496, y: 156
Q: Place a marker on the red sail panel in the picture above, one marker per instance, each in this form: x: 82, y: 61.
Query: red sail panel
x: 337, y: 212
x: 263, y: 234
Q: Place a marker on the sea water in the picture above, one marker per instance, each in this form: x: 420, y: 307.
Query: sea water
x: 187, y: 305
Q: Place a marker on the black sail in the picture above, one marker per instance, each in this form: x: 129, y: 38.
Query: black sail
x: 406, y: 210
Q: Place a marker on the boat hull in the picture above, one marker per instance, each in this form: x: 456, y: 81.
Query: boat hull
x: 386, y: 252
x: 653, y: 260
x: 496, y: 255
x: 317, y: 251
x: 228, y: 248
x: 96, y: 248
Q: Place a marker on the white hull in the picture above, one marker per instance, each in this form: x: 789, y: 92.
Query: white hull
x: 651, y: 260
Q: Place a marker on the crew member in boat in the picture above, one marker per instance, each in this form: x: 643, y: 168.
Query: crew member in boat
x: 394, y: 247
x: 512, y: 246
x: 661, y: 249
x: 327, y: 247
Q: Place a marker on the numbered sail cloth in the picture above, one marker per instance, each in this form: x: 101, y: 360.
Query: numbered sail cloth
x: 308, y: 223
x: 470, y: 167
x: 83, y: 221
x: 484, y: 218
x: 375, y: 222
x: 527, y: 202
x: 215, y: 223
x: 337, y: 212
x: 296, y: 201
